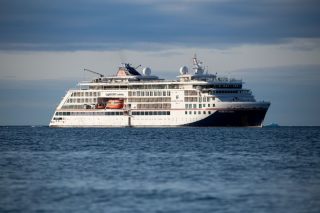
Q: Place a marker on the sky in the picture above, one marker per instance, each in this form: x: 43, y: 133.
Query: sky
x: 272, y: 45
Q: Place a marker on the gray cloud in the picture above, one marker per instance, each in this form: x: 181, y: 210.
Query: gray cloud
x: 87, y: 25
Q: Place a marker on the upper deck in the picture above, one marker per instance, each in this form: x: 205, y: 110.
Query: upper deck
x: 129, y: 76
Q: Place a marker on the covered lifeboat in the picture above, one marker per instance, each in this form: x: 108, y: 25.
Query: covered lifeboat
x: 114, y: 104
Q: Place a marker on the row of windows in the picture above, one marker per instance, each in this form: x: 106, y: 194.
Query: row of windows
x: 149, y: 99
x: 152, y: 113
x: 195, y: 112
x: 190, y: 93
x: 192, y: 106
x: 229, y: 91
x: 87, y: 113
x: 155, y: 86
x: 220, y: 86
x: 82, y: 106
x: 108, y: 87
x: 121, y: 113
x: 125, y: 87
x: 109, y: 113
x: 149, y: 93
x: 82, y: 100
x: 198, y: 99
x: 81, y: 94
x: 153, y: 106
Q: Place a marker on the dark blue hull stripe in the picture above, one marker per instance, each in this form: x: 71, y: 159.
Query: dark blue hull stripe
x: 236, y: 118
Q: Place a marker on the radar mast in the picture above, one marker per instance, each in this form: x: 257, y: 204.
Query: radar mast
x: 197, y: 65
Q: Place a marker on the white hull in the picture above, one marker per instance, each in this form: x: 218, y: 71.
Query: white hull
x: 176, y: 118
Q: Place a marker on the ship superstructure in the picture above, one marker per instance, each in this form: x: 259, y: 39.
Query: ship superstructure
x: 132, y: 99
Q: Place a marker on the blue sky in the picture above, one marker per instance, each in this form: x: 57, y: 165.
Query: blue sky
x: 274, y: 46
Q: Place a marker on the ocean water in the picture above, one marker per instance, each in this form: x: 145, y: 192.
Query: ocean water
x: 160, y: 169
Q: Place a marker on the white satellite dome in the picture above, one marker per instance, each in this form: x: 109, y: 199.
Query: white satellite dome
x: 183, y: 70
x: 146, y: 71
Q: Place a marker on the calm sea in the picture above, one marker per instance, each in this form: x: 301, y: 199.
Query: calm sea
x: 160, y: 170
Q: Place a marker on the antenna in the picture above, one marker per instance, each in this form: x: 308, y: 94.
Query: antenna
x: 197, y: 65
x: 93, y: 72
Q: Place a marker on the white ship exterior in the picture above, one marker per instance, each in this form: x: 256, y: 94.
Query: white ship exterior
x: 131, y: 99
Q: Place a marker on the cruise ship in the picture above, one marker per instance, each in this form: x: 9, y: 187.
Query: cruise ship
x: 139, y: 99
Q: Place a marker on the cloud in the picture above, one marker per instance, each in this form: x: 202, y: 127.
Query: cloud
x: 105, y: 25
x: 28, y: 65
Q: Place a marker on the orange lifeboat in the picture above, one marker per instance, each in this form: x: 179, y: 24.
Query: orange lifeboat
x: 115, y: 104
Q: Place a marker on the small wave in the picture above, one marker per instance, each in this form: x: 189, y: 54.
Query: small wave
x: 207, y: 197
